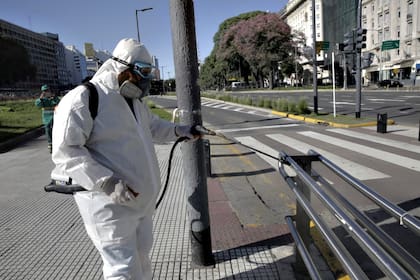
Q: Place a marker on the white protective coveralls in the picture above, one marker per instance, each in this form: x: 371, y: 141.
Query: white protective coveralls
x: 117, y: 144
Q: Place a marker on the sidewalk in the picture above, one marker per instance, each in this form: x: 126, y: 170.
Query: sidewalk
x: 42, y: 235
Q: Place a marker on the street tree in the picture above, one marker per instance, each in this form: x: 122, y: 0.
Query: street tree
x: 213, y: 73
x: 228, y: 62
x: 263, y: 41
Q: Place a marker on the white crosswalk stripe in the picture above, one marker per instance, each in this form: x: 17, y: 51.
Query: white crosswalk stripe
x: 256, y: 128
x: 388, y: 142
x: 356, y: 170
x: 224, y: 106
x: 402, y: 161
x: 408, y: 131
x: 359, y: 171
x: 252, y: 142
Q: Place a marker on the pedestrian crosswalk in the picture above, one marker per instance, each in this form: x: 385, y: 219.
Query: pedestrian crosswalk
x: 342, y: 146
x: 402, y: 130
x: 232, y: 107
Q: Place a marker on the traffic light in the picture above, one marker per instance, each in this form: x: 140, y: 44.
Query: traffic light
x: 360, y: 38
x: 348, y: 42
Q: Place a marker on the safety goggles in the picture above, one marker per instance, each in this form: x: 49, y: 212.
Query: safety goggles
x: 145, y: 70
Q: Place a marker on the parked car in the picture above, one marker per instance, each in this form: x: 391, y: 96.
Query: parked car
x: 390, y: 83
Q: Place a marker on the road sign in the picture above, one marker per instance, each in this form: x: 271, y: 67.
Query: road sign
x: 322, y: 45
x: 391, y: 44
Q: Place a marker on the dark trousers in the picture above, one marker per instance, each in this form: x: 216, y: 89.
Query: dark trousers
x: 48, y: 131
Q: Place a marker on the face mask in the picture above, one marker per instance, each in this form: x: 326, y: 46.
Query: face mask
x: 130, y: 90
x: 144, y: 85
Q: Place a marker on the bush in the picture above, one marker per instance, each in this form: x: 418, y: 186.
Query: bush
x: 268, y: 103
x: 302, y: 107
x: 282, y: 105
x: 292, y: 108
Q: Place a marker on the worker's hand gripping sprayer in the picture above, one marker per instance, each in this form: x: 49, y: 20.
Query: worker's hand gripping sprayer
x: 68, y: 188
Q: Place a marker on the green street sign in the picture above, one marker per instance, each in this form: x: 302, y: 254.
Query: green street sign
x: 389, y: 45
x: 323, y: 45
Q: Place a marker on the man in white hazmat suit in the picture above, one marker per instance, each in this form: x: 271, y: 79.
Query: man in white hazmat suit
x: 113, y: 158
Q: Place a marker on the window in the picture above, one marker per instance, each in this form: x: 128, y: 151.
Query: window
x: 380, y: 20
x: 387, y: 18
x: 409, y: 29
x: 387, y: 34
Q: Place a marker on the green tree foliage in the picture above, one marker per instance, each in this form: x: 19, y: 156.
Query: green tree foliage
x: 15, y: 65
x: 217, y: 67
x: 254, y: 42
x: 262, y: 41
x: 213, y: 72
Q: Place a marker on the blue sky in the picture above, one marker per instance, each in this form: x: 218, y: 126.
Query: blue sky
x: 104, y: 23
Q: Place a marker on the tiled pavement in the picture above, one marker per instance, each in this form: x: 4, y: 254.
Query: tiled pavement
x: 42, y: 235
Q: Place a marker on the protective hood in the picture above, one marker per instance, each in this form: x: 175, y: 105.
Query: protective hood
x: 131, y: 51
x: 128, y: 50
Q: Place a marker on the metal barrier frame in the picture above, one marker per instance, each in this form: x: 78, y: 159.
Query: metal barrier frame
x: 387, y: 254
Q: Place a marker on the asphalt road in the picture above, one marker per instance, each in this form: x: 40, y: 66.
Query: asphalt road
x: 402, y: 105
x: 387, y: 163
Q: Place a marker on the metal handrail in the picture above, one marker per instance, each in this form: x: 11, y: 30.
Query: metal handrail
x: 403, y: 216
x: 395, y: 249
x: 349, y: 264
x: 309, y: 263
x: 388, y: 265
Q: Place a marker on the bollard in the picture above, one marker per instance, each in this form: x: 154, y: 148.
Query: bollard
x: 381, y: 123
x: 207, y: 155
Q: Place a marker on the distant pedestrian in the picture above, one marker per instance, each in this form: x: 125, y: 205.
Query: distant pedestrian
x: 47, y: 101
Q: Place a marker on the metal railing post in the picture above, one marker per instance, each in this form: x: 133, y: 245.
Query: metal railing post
x: 302, y: 219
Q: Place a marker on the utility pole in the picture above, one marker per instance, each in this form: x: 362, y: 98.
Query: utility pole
x: 358, y: 63
x: 188, y: 92
x: 315, y: 67
x: 163, y: 81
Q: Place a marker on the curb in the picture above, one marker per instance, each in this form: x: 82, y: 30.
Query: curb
x: 322, y: 122
x: 305, y: 119
x: 16, y: 141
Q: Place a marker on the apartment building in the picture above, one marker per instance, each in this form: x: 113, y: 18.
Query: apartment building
x: 298, y: 15
x: 76, y: 65
x: 393, y: 38
x: 45, y: 52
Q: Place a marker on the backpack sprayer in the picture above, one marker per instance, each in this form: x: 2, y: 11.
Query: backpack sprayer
x: 65, y: 186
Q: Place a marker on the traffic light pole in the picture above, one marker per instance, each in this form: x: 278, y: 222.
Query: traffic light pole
x: 358, y: 65
x: 315, y: 67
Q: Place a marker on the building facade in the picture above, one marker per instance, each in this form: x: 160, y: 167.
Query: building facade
x: 298, y: 15
x: 76, y: 65
x: 45, y: 52
x: 393, y: 39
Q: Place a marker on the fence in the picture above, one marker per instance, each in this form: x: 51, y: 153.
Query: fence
x: 389, y: 256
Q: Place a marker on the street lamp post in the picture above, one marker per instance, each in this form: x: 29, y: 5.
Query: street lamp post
x: 163, y: 80
x: 137, y: 20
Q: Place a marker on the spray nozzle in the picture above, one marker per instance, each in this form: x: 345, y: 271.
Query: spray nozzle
x: 201, y: 130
